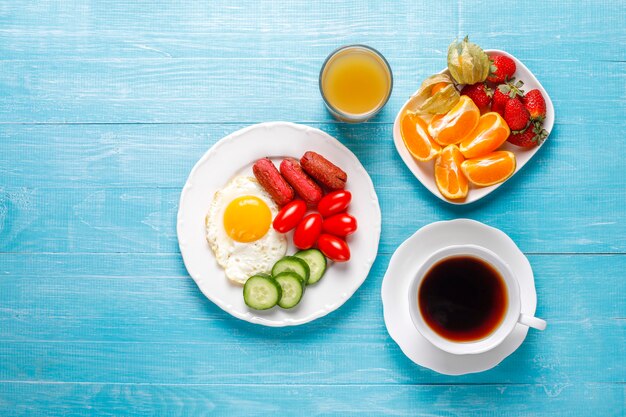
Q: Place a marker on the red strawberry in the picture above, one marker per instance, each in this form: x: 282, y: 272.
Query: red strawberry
x: 479, y: 93
x: 515, y: 114
x: 502, y: 69
x: 533, y: 135
x: 503, y: 93
x: 499, y: 101
x: 535, y: 104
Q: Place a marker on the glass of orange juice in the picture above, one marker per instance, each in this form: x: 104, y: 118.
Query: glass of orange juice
x: 355, y: 82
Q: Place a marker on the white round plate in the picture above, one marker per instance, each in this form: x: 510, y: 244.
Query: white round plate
x: 234, y: 155
x: 424, y: 171
x: 403, y: 266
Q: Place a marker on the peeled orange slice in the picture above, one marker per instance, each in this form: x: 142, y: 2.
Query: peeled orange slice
x: 491, y: 132
x: 490, y: 169
x: 448, y: 176
x: 454, y: 126
x: 416, y: 138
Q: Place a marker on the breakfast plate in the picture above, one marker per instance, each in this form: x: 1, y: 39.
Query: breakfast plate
x: 424, y: 171
x: 233, y: 157
x: 405, y: 263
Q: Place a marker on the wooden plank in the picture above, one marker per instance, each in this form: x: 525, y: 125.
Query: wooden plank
x: 542, y: 29
x: 143, y: 219
x: 552, y: 357
x: 97, y: 314
x: 241, y: 90
x: 136, y: 287
x: 306, y: 29
x: 259, y: 18
x: 68, y: 325
x: 52, y: 156
x: 74, y: 400
x: 162, y: 155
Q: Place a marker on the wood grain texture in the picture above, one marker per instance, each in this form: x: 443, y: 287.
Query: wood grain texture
x: 107, y: 156
x: 106, y: 106
x: 141, y: 220
x: 242, y: 90
x: 90, y: 310
x: 69, y: 399
x: 563, y: 29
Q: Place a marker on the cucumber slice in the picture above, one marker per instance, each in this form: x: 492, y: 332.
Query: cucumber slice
x: 292, y: 288
x: 261, y: 292
x: 292, y: 264
x: 316, y: 261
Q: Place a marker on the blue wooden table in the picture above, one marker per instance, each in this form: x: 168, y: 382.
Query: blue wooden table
x: 106, y: 106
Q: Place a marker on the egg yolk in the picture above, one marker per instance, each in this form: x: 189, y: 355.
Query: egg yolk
x: 247, y: 219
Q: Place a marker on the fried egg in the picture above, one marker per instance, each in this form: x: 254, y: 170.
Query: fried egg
x: 239, y: 229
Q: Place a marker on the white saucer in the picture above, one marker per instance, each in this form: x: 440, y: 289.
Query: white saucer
x: 402, y: 268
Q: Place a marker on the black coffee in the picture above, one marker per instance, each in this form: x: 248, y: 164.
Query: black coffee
x: 463, y: 298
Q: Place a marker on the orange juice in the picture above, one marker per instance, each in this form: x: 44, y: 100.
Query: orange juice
x: 355, y: 82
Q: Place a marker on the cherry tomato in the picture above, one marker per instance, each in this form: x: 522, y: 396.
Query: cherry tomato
x: 334, y: 248
x: 334, y: 203
x: 340, y: 225
x: 308, y: 231
x: 289, y: 216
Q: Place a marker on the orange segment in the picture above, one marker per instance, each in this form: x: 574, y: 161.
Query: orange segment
x: 448, y: 176
x: 490, y: 169
x: 415, y: 135
x: 452, y: 127
x: 491, y: 132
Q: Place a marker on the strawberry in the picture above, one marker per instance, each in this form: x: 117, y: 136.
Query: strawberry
x: 535, y: 104
x: 533, y: 135
x: 512, y: 89
x: 499, y: 101
x: 515, y: 114
x: 503, y: 93
x: 479, y: 93
x: 502, y: 69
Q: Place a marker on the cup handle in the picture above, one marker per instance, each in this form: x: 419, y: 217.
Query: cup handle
x: 530, y: 321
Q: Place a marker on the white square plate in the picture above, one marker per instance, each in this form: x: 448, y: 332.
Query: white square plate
x: 424, y: 171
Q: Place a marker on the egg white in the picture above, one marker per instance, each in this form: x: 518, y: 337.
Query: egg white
x: 242, y: 260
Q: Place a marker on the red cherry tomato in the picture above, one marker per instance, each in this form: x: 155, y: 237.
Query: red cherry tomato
x: 334, y: 248
x: 334, y: 203
x: 289, y: 216
x: 308, y: 231
x: 340, y: 225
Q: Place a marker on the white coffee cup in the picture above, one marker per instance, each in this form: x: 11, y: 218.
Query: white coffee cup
x: 513, y: 315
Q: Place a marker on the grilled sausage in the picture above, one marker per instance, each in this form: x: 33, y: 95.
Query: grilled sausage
x: 324, y: 171
x: 274, y: 183
x: 306, y: 188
